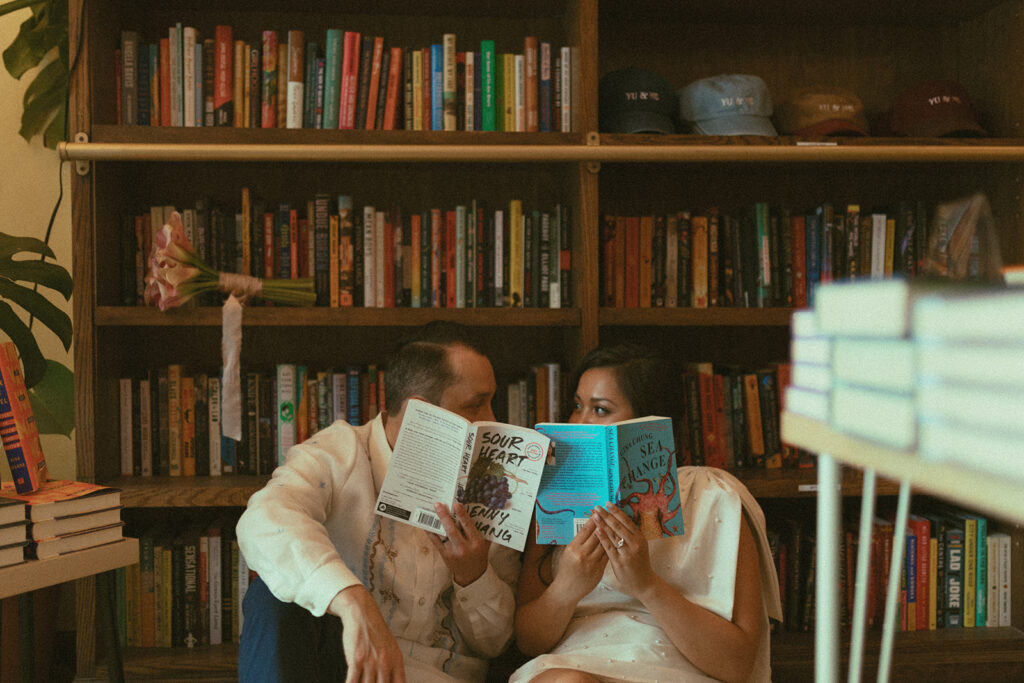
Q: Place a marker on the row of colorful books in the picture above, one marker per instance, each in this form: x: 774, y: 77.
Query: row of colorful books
x: 346, y: 80
x: 186, y: 589
x: 731, y: 418
x: 764, y: 255
x: 931, y: 366
x: 59, y: 517
x: 468, y: 255
x: 171, y: 419
x: 955, y: 571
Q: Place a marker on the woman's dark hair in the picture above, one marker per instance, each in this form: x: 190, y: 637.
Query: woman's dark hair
x: 646, y: 379
x: 420, y: 366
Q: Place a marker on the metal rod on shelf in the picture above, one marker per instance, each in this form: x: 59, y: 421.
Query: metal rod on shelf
x: 306, y: 153
x: 867, y: 514
x: 826, y: 589
x: 899, y: 542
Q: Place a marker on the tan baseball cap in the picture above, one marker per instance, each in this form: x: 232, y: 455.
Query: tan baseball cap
x: 817, y: 112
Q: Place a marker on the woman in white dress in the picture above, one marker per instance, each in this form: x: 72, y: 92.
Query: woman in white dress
x: 693, y: 607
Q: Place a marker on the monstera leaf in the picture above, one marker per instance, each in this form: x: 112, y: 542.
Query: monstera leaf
x: 43, y: 34
x: 13, y: 273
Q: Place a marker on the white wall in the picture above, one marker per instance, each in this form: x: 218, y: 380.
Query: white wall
x: 28, y: 192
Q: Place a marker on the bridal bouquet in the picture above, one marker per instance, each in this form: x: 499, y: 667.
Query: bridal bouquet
x: 176, y: 274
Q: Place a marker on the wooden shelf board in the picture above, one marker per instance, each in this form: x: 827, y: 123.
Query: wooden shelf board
x: 999, y: 497
x: 702, y: 317
x: 232, y: 490
x: 258, y: 316
x: 34, y: 574
x: 942, y: 655
x: 801, y: 483
x: 207, y: 663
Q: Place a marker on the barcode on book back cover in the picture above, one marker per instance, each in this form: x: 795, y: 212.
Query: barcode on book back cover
x: 577, y: 524
x: 428, y: 519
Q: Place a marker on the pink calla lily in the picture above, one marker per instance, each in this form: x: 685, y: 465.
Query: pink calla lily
x: 177, y: 274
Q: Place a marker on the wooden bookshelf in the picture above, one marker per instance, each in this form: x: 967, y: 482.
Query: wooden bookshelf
x: 872, y: 47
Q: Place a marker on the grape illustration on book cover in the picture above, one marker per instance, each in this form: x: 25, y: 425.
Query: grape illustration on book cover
x: 632, y: 463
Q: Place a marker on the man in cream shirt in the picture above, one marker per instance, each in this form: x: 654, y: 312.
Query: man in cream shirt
x: 339, y: 585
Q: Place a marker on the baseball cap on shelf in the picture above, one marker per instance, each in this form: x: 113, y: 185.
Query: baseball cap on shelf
x: 935, y: 109
x: 728, y: 104
x: 635, y: 100
x: 815, y: 112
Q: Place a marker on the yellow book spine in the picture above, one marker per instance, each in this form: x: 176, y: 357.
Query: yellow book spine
x: 515, y: 255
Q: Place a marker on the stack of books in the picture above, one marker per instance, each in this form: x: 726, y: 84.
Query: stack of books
x: 64, y: 516
x: 872, y: 393
x: 810, y: 354
x: 934, y: 366
x: 13, y: 532
x: 970, y: 388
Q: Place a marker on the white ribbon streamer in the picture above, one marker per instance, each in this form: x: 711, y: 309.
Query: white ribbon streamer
x: 231, y: 383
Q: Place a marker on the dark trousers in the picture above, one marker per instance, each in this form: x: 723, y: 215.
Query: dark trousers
x: 283, y: 643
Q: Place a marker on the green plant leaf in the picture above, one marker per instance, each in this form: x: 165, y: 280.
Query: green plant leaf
x: 38, y: 112
x: 46, y: 274
x: 31, y: 357
x: 12, y: 244
x: 39, y: 307
x: 35, y: 38
x: 53, y: 400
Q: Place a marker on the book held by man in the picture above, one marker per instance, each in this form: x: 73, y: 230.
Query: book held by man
x: 492, y: 468
x: 631, y: 463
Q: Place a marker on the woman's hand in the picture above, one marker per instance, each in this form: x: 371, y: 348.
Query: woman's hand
x: 626, y: 548
x: 581, y: 566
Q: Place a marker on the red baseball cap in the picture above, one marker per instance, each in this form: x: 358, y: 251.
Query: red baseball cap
x: 934, y: 109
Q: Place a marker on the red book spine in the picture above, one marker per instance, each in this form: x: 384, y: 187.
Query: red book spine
x: 223, y: 75
x: 349, y: 80
x: 304, y: 270
x: 799, y: 235
x: 293, y: 240
x: 425, y: 79
x: 268, y: 108
x: 269, y: 269
x: 165, y: 82
x: 371, y: 102
x: 719, y: 456
x: 436, y: 251
x: 392, y: 100
x: 450, y: 272
x: 530, y: 83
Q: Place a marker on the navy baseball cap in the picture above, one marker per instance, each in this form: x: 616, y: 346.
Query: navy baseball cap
x: 636, y: 101
x: 728, y: 104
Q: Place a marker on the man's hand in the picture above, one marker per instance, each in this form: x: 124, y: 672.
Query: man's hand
x: 465, y: 549
x: 370, y: 648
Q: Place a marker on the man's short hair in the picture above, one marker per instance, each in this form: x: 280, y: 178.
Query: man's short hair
x: 421, y: 367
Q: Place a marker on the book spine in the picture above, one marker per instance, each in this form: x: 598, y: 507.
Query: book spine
x: 531, y: 85
x: 213, y: 454
x: 449, y: 87
x: 295, y: 92
x: 268, y: 81
x: 349, y: 80
x: 332, y: 77
x: 223, y: 70
x: 286, y: 395
x: 487, y: 85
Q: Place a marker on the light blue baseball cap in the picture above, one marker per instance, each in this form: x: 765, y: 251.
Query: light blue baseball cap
x: 728, y: 104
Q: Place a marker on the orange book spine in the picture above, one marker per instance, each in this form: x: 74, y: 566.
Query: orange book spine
x: 375, y: 64
x: 165, y: 82
x: 530, y: 84
x: 349, y: 80
x: 391, y: 101
x: 18, y: 429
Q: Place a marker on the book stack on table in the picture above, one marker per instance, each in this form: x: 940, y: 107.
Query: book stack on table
x: 925, y: 365
x: 970, y: 388
x: 63, y: 516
